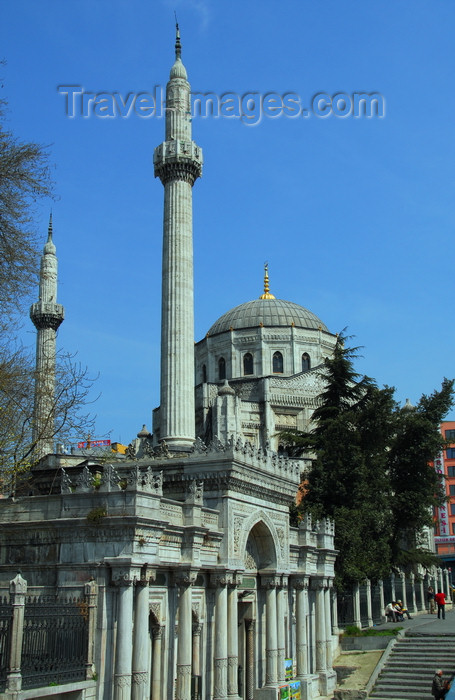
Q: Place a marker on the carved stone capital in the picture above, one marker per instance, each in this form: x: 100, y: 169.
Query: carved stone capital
x: 196, y: 629
x: 219, y: 579
x: 270, y: 581
x: 184, y: 577
x: 318, y: 584
x: 157, y: 631
x: 300, y: 582
x: 250, y: 625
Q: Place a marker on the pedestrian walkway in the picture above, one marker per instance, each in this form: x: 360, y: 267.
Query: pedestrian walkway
x: 408, y: 667
x: 425, y: 624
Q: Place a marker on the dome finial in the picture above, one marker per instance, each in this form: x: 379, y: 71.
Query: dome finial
x: 266, y: 294
x: 178, y: 45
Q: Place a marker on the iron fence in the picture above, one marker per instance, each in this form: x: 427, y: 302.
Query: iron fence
x: 55, y: 641
x: 6, y: 613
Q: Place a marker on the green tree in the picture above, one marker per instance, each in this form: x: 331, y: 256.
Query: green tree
x: 368, y: 454
x: 417, y: 489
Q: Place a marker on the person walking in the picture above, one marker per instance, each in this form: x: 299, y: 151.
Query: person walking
x: 430, y: 596
x: 440, y: 599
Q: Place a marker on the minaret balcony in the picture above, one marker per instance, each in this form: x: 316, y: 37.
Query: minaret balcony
x: 47, y: 315
x: 176, y: 152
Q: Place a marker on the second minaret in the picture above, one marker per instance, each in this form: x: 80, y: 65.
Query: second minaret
x: 178, y: 163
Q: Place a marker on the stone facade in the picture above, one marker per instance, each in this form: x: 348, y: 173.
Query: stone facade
x: 200, y: 577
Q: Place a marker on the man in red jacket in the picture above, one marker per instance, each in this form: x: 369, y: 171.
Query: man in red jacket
x: 440, y: 599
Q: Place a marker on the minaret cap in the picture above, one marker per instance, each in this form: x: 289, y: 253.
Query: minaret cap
x: 266, y: 294
x: 49, y: 248
x: 178, y: 70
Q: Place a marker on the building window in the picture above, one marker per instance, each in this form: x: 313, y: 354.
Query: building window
x: 248, y: 363
x: 277, y: 363
x: 306, y: 362
x: 453, y: 528
x: 204, y: 373
x: 452, y: 489
x: 452, y: 509
x: 450, y: 435
x: 221, y: 368
x: 450, y: 471
x: 450, y: 452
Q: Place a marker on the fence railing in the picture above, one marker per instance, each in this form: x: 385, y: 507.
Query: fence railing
x: 45, y: 640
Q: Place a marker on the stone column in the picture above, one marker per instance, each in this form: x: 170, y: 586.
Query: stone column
x: 321, y: 649
x: 17, y: 589
x: 403, y: 589
x: 381, y: 598
x: 90, y: 592
x: 124, y: 646
x: 392, y: 587
x: 328, y: 626
x: 232, y: 638
x: 249, y: 671
x: 334, y: 610
x: 157, y: 633
x: 301, y: 611
x: 184, y: 648
x: 280, y: 617
x: 413, y: 603
x: 422, y: 596
x: 369, y: 606
x: 356, y: 605
x: 220, y: 646
x: 312, y: 629
x: 140, y: 674
x: 446, y: 585
x: 196, y: 647
x: 270, y: 583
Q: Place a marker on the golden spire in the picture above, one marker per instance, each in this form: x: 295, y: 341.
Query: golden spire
x: 266, y: 294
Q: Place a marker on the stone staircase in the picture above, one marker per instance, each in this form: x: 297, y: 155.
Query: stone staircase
x: 410, y: 667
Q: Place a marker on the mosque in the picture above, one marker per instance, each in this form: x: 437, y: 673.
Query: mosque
x: 198, y: 585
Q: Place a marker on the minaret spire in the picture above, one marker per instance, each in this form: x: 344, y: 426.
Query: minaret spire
x: 47, y: 316
x: 178, y: 163
x: 178, y: 45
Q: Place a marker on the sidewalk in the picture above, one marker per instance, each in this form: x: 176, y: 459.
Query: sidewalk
x: 425, y: 624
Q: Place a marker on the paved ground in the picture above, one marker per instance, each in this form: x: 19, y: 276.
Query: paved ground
x: 421, y: 624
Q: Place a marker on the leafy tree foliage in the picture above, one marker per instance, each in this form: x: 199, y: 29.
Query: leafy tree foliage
x: 18, y: 439
x: 370, y: 468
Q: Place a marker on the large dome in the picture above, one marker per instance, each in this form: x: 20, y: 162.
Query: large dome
x: 268, y: 312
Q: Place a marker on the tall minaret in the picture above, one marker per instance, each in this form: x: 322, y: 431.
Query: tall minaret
x: 47, y: 316
x: 178, y: 163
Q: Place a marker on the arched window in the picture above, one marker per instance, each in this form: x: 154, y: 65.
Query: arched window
x: 277, y: 362
x: 204, y: 374
x: 306, y: 362
x: 221, y: 368
x: 248, y: 363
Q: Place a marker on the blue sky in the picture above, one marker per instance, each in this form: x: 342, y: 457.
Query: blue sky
x: 355, y: 216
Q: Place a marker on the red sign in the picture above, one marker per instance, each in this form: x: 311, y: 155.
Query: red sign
x: 93, y: 443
